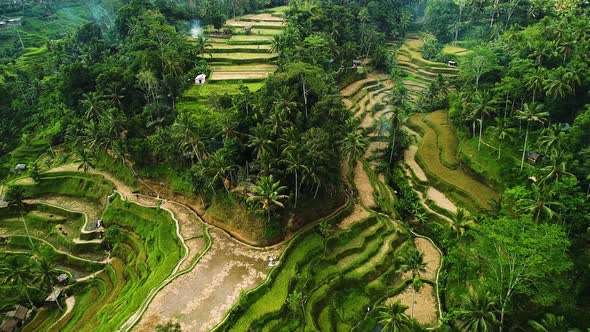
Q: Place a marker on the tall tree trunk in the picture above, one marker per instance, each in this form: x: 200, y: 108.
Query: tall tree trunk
x: 392, y: 146
x: 480, y: 132
x: 499, y: 149
x: 526, y: 136
x: 26, y: 228
x: 296, y: 189
x: 305, y: 97
x: 29, y: 298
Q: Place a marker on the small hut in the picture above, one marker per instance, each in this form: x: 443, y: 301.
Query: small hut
x: 62, y: 279
x: 452, y: 63
x: 9, y: 324
x: 534, y: 157
x: 14, y: 319
x: 20, y: 167
x: 53, y: 297
x: 357, y: 63
x: 200, y: 79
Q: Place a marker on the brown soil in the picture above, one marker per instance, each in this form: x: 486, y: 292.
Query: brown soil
x: 347, y: 91
x: 424, y: 303
x: 358, y: 213
x: 409, y: 158
x: 441, y: 200
x: 237, y: 75
x: 363, y: 186
x: 200, y: 298
x: 431, y: 258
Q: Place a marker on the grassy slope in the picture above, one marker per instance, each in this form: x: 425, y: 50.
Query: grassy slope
x: 147, y: 255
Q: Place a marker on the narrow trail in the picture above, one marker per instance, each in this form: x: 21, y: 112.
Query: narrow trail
x: 70, y: 303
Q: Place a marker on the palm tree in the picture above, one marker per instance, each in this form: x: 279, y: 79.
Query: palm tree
x: 16, y: 271
x: 381, y: 126
x: 478, y: 313
x: 185, y: 130
x: 535, y: 81
x: 531, y: 113
x: 398, y: 119
x: 259, y: 140
x: 393, y: 318
x: 86, y: 160
x: 502, y: 132
x: 557, y: 86
x: 482, y: 106
x: 46, y: 274
x: 551, y: 323
x: 354, y: 145
x: 202, y: 46
x: 540, y: 203
x: 267, y: 193
x: 92, y: 103
x: 462, y: 221
x: 557, y: 168
x: 413, y: 261
x: 219, y: 166
x: 552, y: 137
x: 15, y: 196
x: 295, y: 165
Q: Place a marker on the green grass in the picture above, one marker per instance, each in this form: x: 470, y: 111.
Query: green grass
x: 220, y: 89
x: 148, y: 254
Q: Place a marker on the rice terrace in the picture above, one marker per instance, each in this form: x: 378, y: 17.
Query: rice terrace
x: 294, y: 165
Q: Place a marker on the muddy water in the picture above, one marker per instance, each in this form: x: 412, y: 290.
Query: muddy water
x: 202, y: 297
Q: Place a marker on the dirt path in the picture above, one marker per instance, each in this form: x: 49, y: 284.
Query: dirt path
x: 70, y: 303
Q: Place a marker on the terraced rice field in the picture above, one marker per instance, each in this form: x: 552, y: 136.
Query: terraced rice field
x: 460, y: 185
x: 421, y: 71
x: 245, y: 56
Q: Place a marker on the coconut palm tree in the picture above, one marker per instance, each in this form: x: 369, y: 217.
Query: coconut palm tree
x: 557, y: 86
x: 551, y: 323
x: 18, y: 272
x: 267, y: 193
x: 413, y: 261
x: 220, y: 168
x: 482, y: 106
x: 46, y: 274
x: 294, y: 163
x: 535, y: 81
x: 15, y: 196
x: 478, y: 313
x: 86, y: 160
x: 185, y: 130
x: 92, y: 103
x: 462, y: 221
x: 541, y: 203
x: 531, y: 113
x: 393, y: 318
x: 354, y: 145
x: 259, y: 140
x: 552, y: 137
x: 502, y: 132
x: 557, y: 168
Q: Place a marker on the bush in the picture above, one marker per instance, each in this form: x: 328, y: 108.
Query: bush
x: 431, y: 48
